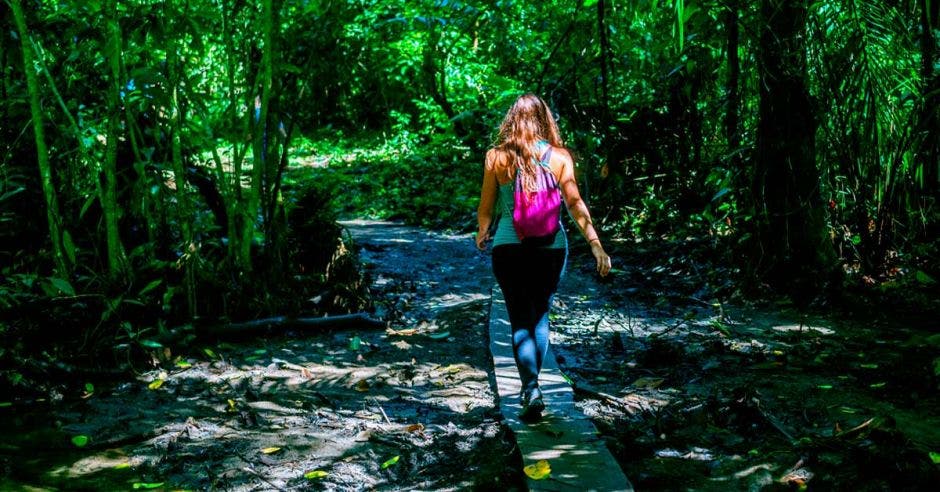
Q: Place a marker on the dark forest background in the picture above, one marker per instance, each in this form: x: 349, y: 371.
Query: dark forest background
x: 166, y: 163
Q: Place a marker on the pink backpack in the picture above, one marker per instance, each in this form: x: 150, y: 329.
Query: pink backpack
x: 535, y: 215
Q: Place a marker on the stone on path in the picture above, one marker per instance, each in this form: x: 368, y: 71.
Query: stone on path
x: 565, y: 437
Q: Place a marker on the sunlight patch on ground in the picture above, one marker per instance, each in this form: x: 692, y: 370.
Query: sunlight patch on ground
x: 106, y: 460
x: 796, y: 328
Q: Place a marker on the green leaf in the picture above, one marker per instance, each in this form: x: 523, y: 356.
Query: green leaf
x: 923, y: 278
x: 590, y: 3
x: 90, y: 388
x: 6, y: 404
x: 147, y: 485
x: 315, y: 474
x: 183, y: 364
x: 80, y: 440
x: 63, y: 285
x: 355, y: 343
x: 439, y: 335
x: 824, y: 386
x: 151, y: 344
x: 935, y: 457
x: 152, y: 285
x: 390, y: 461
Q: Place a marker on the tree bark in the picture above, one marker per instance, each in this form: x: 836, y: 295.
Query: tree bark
x: 53, y: 218
x: 796, y: 253
x: 732, y: 110
x: 259, y: 152
x: 930, y: 117
x: 109, y: 206
x: 183, y: 205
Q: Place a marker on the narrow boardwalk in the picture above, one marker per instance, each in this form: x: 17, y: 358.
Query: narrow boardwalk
x: 564, y: 437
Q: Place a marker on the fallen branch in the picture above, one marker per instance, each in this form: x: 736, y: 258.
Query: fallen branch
x: 597, y: 395
x: 358, y: 320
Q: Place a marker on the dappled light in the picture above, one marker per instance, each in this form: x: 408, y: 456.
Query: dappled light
x: 254, y: 245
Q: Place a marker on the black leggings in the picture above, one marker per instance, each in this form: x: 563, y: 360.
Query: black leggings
x: 528, y: 278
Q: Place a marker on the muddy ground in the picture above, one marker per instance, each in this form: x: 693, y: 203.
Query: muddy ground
x: 691, y: 391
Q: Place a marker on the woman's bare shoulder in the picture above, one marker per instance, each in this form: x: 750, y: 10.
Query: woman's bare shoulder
x: 495, y: 157
x: 560, y: 159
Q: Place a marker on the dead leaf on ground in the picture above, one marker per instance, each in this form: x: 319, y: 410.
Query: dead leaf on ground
x: 651, y: 383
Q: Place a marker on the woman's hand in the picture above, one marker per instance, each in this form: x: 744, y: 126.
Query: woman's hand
x: 481, y: 239
x: 603, y: 261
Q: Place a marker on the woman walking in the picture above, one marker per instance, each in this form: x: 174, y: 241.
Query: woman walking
x: 525, y: 175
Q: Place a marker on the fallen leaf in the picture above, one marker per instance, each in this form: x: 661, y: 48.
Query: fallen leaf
x: 155, y: 384
x: 402, y: 333
x: 122, y: 466
x: 148, y: 485
x: 271, y: 450
x: 402, y: 344
x: 208, y: 351
x: 415, y: 428
x: 539, y: 471
x: 650, y: 383
x: 80, y: 440
x: 362, y: 385
x: 391, y: 461
x: 182, y: 364
x: 315, y: 474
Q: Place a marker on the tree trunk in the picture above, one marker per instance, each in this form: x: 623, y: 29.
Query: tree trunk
x: 53, y: 217
x: 109, y: 206
x: 796, y: 253
x: 259, y: 151
x: 605, y: 51
x: 732, y: 110
x: 930, y: 117
x: 183, y: 206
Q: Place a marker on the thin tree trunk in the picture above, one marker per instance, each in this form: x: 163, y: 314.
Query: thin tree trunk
x: 732, y: 110
x: 791, y: 228
x: 605, y: 51
x: 930, y: 116
x: 109, y: 206
x: 183, y: 206
x: 259, y: 152
x: 42, y: 152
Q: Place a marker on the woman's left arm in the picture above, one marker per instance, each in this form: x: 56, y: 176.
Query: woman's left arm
x: 487, y: 201
x: 579, y: 212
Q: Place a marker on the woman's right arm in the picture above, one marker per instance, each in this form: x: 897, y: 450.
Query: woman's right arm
x: 487, y: 200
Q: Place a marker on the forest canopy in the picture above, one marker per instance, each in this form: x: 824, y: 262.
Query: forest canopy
x: 192, y: 157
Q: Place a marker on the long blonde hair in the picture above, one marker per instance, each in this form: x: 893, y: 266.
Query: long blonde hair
x: 528, y: 121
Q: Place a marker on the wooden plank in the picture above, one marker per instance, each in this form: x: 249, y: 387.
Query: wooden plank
x: 579, y: 459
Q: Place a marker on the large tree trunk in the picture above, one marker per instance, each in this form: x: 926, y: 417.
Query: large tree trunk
x: 795, y: 251
x: 53, y: 217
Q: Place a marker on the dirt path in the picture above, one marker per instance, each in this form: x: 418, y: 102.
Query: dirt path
x: 689, y: 393
x: 410, y: 408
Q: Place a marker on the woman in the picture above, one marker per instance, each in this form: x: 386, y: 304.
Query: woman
x: 528, y: 275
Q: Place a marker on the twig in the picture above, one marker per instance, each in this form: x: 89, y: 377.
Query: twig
x: 381, y: 410
x: 777, y: 425
x: 262, y: 478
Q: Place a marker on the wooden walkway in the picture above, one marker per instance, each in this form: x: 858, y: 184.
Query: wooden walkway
x: 564, y: 437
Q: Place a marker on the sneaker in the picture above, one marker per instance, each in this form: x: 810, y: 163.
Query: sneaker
x: 532, y: 404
